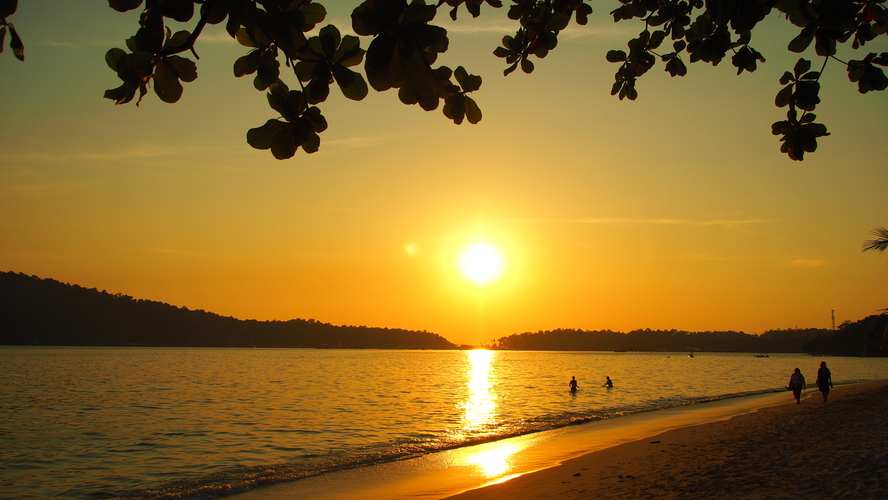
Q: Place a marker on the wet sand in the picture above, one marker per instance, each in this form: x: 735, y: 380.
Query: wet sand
x: 813, y: 450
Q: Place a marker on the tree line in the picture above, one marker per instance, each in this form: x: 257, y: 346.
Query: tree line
x: 860, y: 338
x: 35, y: 311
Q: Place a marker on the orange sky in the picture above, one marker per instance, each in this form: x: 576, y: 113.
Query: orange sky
x: 673, y: 211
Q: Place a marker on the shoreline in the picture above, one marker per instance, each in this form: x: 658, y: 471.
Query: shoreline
x: 472, y: 473
x: 814, y: 450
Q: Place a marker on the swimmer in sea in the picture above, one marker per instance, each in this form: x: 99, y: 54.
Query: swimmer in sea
x: 608, y: 383
x: 573, y: 384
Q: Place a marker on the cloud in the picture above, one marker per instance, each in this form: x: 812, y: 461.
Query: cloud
x: 807, y: 263
x: 362, y: 141
x: 185, y: 253
x: 667, y: 222
x: 465, y: 25
x: 124, y: 154
x: 220, y: 36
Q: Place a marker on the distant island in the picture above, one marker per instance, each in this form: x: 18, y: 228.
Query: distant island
x: 43, y: 311
x: 860, y: 338
x: 35, y: 311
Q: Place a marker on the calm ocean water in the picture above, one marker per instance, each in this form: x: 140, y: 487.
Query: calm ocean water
x: 202, y: 423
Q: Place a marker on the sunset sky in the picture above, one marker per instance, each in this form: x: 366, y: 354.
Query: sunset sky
x: 673, y: 211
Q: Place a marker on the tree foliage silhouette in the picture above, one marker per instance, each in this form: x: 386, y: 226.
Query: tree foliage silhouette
x: 404, y: 47
x: 879, y: 244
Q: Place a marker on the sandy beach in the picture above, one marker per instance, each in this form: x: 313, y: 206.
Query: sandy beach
x: 813, y: 450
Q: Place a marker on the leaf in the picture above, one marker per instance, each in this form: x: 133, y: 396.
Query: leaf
x: 180, y: 10
x: 7, y: 8
x: 786, y: 78
x: 280, y: 101
x: 248, y: 64
x: 166, y: 82
x: 473, y: 112
x: 312, y: 144
x: 676, y: 67
x: 468, y: 83
x: 177, y: 40
x: 215, y: 12
x: 261, y: 137
x: 150, y: 36
x: 784, y: 96
x: 806, y: 95
x: 616, y: 56
x: 330, y: 39
x: 317, y: 120
x: 656, y: 39
x: 350, y: 52
x: 245, y: 39
x: 185, y: 68
x: 112, y: 57
x: 122, y: 94
x: 455, y: 108
x: 124, y: 5
x: 15, y: 43
x: 558, y: 22
x: 800, y: 43
x: 313, y: 13
x: 352, y: 86
x: 801, y: 67
x: 283, y: 144
x: 527, y: 65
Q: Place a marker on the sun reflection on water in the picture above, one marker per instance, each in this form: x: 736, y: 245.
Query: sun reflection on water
x: 480, y: 408
x: 492, y: 459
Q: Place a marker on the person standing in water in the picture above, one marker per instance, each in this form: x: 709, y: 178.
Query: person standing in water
x: 573, y: 384
x: 608, y: 382
x: 824, y: 380
x: 796, y: 384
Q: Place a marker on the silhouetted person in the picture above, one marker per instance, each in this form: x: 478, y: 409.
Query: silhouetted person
x: 573, y: 384
x: 796, y: 384
x: 608, y: 383
x: 824, y: 380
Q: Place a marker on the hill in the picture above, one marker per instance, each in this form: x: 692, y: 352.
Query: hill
x: 35, y: 311
x: 866, y: 337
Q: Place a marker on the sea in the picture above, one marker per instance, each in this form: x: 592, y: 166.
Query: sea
x: 202, y: 423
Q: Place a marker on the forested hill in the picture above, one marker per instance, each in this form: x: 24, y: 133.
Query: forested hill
x: 866, y: 337
x: 36, y: 311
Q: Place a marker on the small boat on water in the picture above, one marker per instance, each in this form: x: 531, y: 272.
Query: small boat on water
x: 762, y: 356
x: 690, y: 355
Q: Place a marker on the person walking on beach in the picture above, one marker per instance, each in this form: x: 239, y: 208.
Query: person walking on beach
x: 573, y: 384
x: 608, y: 383
x: 824, y: 380
x: 796, y: 384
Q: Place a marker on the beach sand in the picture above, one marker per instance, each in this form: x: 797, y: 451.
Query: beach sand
x: 813, y: 450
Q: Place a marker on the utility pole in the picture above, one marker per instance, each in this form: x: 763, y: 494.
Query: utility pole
x: 834, y: 319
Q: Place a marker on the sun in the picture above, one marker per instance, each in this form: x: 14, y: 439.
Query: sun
x: 481, y: 263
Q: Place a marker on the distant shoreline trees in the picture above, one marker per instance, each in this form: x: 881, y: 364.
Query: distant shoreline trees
x: 850, y: 339
x: 35, y: 311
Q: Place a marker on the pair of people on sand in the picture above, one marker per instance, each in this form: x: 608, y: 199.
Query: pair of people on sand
x: 824, y: 382
x: 573, y: 384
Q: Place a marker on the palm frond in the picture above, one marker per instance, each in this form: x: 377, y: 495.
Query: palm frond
x: 880, y: 243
